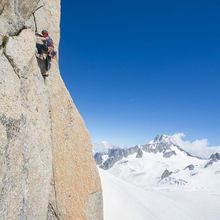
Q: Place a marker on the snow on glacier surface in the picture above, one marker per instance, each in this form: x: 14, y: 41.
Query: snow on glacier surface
x: 123, y: 200
x: 133, y: 190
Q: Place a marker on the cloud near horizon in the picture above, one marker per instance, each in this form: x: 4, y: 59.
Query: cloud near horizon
x: 198, y: 147
x: 103, y: 146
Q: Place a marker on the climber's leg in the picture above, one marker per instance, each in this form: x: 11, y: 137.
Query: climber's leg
x: 41, y: 49
x: 48, y: 62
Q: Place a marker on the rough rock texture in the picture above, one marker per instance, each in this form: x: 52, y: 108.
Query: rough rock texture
x: 20, y: 50
x: 25, y: 150
x: 1, y: 40
x: 75, y: 176
x: 47, y: 169
x: 14, y: 13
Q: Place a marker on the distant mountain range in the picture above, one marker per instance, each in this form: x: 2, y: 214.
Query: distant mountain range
x: 160, y: 163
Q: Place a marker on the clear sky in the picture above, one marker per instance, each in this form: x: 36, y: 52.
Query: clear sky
x: 140, y: 68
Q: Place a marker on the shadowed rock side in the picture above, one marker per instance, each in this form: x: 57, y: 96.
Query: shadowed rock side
x: 77, y: 185
x: 46, y: 166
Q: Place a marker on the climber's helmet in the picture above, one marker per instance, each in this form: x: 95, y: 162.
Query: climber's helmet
x: 45, y: 33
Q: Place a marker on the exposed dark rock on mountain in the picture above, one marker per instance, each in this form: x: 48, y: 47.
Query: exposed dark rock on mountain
x: 165, y: 174
x: 139, y: 153
x: 213, y: 158
x: 190, y: 167
x: 169, y: 154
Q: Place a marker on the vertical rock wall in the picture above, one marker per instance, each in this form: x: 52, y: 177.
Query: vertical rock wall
x: 25, y: 133
x: 46, y: 165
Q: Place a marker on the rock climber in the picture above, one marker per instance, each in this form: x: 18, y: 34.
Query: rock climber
x: 46, y: 50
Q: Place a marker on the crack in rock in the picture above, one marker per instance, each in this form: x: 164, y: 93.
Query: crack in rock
x: 13, y: 65
x: 52, y: 214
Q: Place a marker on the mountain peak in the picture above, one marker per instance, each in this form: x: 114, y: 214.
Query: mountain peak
x: 161, y: 144
x: 213, y: 159
x: 162, y: 138
x: 215, y: 156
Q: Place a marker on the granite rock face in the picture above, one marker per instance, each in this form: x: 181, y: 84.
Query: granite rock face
x: 14, y: 14
x: 25, y: 143
x: 47, y: 170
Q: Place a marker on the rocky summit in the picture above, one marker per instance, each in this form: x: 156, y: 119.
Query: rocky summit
x: 161, y: 144
x: 47, y: 169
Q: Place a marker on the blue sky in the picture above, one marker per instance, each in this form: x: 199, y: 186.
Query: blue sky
x: 140, y: 68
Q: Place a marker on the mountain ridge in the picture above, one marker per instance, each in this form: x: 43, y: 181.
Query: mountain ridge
x: 160, y: 144
x: 160, y: 163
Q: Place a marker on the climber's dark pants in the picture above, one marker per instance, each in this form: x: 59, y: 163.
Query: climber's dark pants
x: 41, y: 48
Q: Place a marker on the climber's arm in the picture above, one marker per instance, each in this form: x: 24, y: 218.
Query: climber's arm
x: 40, y: 37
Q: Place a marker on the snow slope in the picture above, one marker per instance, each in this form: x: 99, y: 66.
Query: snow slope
x: 123, y: 200
x: 146, y: 172
x: 162, y: 164
x: 159, y: 181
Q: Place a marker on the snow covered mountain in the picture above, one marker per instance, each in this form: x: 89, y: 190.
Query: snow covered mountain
x: 123, y: 200
x: 163, y: 174
x: 161, y: 144
x: 159, y: 164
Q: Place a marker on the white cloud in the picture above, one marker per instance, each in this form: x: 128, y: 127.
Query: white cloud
x: 103, y: 146
x: 199, y: 147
